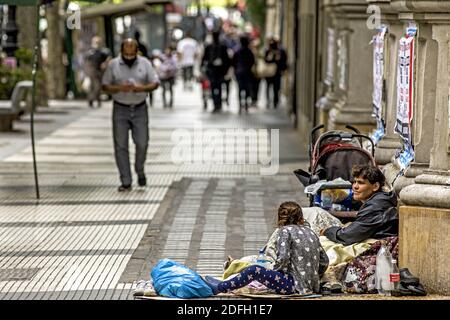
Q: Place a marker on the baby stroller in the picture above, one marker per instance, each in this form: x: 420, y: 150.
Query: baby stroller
x: 332, y: 157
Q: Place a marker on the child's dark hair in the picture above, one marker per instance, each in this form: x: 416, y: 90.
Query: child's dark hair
x: 290, y: 212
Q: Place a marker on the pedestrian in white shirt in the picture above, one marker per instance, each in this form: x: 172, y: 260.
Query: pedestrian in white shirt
x: 187, y: 50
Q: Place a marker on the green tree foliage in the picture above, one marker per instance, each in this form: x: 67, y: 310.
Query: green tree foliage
x: 10, y: 76
x: 257, y: 12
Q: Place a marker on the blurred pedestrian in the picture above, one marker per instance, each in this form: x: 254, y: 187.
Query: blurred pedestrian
x: 242, y: 62
x: 231, y: 40
x: 142, y: 48
x: 95, y: 62
x: 187, y: 50
x: 143, y: 51
x: 216, y: 62
x: 255, y: 46
x: 167, y: 72
x: 129, y: 78
x: 275, y: 54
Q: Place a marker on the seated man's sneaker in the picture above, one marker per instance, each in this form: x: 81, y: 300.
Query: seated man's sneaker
x: 142, y: 181
x: 124, y: 188
x: 213, y: 283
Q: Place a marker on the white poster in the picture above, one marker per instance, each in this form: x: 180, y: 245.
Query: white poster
x: 405, y: 96
x: 405, y: 81
x: 342, y: 62
x: 378, y: 82
x: 330, y: 56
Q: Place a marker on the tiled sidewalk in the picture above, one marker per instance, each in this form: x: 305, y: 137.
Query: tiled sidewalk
x: 76, y: 242
x: 202, y: 221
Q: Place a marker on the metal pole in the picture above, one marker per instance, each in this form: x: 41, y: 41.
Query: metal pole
x: 33, y: 103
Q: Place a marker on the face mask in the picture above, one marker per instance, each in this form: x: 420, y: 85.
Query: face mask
x: 129, y: 62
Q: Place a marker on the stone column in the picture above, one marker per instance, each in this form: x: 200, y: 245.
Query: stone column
x: 391, y: 142
x: 354, y: 68
x: 272, y: 18
x: 306, y: 68
x: 329, y: 34
x: 425, y: 216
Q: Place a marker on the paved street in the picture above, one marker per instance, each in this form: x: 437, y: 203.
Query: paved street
x: 84, y: 240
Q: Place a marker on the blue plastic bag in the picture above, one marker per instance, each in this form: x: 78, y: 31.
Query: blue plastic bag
x: 174, y: 280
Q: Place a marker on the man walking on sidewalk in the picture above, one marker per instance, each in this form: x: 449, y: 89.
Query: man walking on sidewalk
x: 96, y: 60
x: 129, y: 78
x: 216, y: 63
x: 188, y: 50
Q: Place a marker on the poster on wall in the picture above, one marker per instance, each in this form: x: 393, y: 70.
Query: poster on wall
x: 378, y: 98
x: 405, y: 90
x: 342, y: 59
x: 405, y: 95
x: 329, y: 79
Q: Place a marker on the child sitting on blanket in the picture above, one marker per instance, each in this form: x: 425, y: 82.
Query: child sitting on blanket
x: 300, y: 261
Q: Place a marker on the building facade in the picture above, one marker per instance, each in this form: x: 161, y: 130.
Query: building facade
x: 334, y: 59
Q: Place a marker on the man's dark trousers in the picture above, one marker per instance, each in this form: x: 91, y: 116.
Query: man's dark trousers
x: 216, y: 91
x: 126, y: 118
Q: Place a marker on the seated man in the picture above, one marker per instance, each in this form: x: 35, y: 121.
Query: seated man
x: 377, y: 218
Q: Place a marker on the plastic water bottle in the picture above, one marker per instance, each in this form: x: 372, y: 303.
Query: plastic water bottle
x: 394, y: 278
x: 383, y: 271
x: 262, y: 260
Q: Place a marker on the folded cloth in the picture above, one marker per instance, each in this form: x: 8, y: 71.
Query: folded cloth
x: 319, y: 218
x: 338, y: 253
x: 235, y: 267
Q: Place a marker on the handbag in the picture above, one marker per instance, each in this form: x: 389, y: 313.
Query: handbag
x: 265, y: 70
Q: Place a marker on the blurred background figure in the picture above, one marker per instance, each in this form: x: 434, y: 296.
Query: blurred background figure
x: 275, y: 54
x: 143, y: 51
x: 242, y: 62
x: 142, y: 48
x: 255, y: 46
x: 187, y: 49
x: 231, y: 40
x: 167, y: 71
x: 216, y: 63
x: 95, y: 62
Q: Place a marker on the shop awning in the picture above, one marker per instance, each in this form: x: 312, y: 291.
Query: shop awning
x: 20, y: 2
x: 126, y: 7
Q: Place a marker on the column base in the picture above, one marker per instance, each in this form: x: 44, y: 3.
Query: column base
x: 424, y: 246
x: 391, y: 171
x: 429, y: 190
x: 386, y: 149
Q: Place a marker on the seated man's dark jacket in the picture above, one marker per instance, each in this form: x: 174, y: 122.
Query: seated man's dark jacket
x: 377, y: 218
